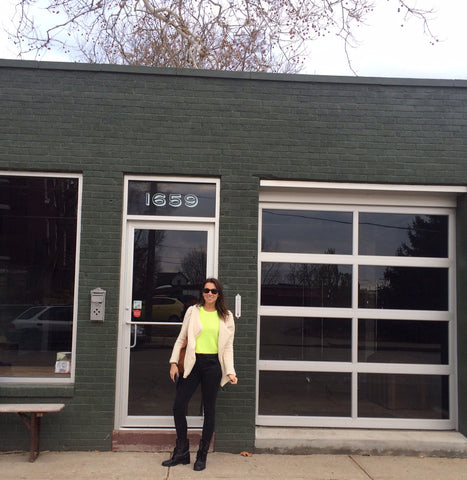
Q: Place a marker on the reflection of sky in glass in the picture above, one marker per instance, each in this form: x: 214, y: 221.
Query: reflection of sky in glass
x: 384, y: 233
x: 305, y: 231
x: 174, y: 246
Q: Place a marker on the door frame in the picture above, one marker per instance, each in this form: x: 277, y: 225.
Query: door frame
x: 129, y: 224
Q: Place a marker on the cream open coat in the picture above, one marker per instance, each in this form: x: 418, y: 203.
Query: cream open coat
x: 191, y: 329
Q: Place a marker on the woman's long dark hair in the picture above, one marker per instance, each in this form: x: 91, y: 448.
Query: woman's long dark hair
x: 221, y: 307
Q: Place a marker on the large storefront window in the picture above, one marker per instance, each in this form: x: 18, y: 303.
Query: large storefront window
x: 38, y: 244
x: 356, y: 315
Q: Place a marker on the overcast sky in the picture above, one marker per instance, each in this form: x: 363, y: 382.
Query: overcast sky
x: 389, y: 50
x: 385, y: 48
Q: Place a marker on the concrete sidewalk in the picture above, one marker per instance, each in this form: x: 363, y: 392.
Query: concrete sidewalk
x: 147, y: 466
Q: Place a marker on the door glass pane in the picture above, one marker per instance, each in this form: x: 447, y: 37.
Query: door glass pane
x: 305, y: 231
x: 309, y: 339
x: 38, y: 227
x: 403, y: 396
x: 411, y: 288
x: 403, y: 341
x: 403, y: 235
x: 304, y: 393
x: 151, y: 392
x: 307, y: 285
x: 169, y: 267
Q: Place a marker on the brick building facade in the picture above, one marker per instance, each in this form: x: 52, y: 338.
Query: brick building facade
x: 277, y: 180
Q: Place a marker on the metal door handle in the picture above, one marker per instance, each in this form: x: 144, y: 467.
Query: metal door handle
x: 135, y: 339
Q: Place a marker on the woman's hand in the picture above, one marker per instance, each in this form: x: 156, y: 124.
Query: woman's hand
x: 233, y: 379
x: 173, y: 371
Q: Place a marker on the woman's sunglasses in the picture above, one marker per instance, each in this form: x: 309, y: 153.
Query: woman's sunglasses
x: 212, y: 290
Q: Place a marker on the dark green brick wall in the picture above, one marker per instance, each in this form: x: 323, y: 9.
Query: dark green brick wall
x: 237, y: 265
x: 105, y: 122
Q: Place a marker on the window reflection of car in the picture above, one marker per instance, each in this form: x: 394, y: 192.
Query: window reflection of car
x: 43, y: 327
x: 166, y: 309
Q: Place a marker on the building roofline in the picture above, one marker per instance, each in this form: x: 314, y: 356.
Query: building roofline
x: 275, y: 77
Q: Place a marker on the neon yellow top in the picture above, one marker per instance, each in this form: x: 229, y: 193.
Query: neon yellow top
x: 207, y: 342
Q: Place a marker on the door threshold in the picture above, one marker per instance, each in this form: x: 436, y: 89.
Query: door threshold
x: 151, y: 440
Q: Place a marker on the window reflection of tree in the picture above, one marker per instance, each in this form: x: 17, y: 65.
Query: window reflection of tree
x: 417, y: 287
x: 427, y: 237
x: 323, y: 279
x: 194, y: 266
x: 146, y: 265
x: 271, y: 274
x: 42, y: 216
x: 61, y: 260
x: 327, y: 278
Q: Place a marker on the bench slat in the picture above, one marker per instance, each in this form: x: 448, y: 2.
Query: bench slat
x: 30, y: 407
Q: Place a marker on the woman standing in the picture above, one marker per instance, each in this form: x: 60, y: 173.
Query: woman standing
x: 208, y: 328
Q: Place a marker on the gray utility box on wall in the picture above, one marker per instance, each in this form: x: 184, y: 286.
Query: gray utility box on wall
x: 97, y: 305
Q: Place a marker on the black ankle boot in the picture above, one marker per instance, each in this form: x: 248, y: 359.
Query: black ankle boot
x: 200, y: 463
x: 181, y: 454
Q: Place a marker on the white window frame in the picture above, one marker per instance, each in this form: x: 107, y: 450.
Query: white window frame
x: 356, y: 198
x: 71, y: 378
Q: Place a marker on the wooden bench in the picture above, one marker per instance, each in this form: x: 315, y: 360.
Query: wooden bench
x: 31, y: 414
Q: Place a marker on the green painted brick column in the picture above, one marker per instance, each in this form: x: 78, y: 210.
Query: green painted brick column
x: 96, y: 353
x: 235, y: 423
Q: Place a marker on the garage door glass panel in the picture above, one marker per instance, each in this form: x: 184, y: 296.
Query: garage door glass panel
x: 390, y: 234
x: 304, y: 231
x: 403, y: 341
x: 309, y: 339
x: 304, y: 393
x: 403, y: 396
x: 407, y: 288
x: 310, y: 285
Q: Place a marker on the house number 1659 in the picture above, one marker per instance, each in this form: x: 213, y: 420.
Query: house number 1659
x: 175, y: 200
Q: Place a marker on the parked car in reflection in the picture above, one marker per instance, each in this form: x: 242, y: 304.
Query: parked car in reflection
x: 45, y: 327
x: 166, y: 309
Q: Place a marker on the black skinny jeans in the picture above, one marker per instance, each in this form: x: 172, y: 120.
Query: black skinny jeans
x: 207, y: 371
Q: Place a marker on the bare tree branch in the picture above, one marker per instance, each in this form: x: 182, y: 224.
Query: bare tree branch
x: 251, y: 35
